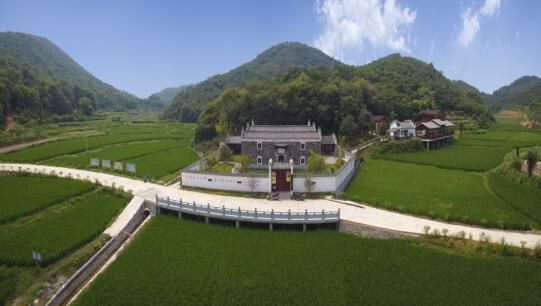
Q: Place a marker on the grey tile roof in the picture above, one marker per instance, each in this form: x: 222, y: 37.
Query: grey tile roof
x: 430, y: 125
x: 281, y: 132
x: 233, y: 139
x: 329, y: 139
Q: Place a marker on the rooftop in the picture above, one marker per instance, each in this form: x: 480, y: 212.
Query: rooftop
x: 308, y: 132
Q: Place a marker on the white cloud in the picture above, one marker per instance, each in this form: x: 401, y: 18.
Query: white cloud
x: 350, y: 24
x: 470, y: 27
x: 490, y: 7
x: 517, y: 34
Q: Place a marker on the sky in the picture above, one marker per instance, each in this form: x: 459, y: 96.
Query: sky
x: 145, y: 46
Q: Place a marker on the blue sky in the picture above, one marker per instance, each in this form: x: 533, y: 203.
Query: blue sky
x: 145, y: 46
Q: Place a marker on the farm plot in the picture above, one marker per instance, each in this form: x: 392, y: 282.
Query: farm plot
x: 454, y: 157
x: 159, y: 164
x: 24, y: 195
x: 198, y: 264
x: 451, y: 195
x: 119, y: 152
x: 61, y: 231
x: 72, y: 146
x: 524, y: 198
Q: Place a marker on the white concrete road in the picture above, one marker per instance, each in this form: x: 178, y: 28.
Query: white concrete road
x: 349, y: 211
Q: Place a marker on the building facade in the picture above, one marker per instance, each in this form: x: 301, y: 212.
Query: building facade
x: 281, y: 143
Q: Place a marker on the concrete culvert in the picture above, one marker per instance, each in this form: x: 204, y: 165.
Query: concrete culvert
x: 146, y: 212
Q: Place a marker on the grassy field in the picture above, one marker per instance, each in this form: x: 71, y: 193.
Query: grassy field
x: 24, y: 195
x: 159, y: 164
x: 60, y: 231
x: 524, y: 198
x: 119, y: 152
x: 451, y: 195
x: 454, y: 157
x: 197, y: 264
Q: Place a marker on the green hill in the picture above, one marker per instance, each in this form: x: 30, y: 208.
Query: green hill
x: 524, y: 93
x: 164, y: 97
x: 271, y: 63
x: 341, y: 99
x: 38, y: 79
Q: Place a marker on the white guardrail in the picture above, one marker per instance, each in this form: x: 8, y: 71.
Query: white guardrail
x: 249, y: 215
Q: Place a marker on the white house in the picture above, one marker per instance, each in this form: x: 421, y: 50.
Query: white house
x: 399, y: 130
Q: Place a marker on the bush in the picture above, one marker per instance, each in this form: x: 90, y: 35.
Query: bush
x: 225, y: 153
x: 410, y: 145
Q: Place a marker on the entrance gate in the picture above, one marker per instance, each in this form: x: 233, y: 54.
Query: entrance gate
x: 281, y: 180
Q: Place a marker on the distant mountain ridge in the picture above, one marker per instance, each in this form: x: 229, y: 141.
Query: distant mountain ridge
x: 52, y: 64
x: 521, y: 92
x: 273, y: 62
x: 164, y: 97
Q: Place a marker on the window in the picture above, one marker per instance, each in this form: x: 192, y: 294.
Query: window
x: 239, y: 182
x: 303, y: 146
x: 259, y: 146
x: 259, y: 160
x: 302, y: 160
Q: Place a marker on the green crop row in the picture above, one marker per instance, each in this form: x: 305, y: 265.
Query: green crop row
x: 181, y: 262
x: 72, y: 146
x: 61, y: 232
x: 24, y: 195
x: 450, y: 195
x: 161, y: 163
x: 454, y: 157
x: 120, y: 152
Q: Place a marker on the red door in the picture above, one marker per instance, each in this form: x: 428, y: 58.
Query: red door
x: 282, y: 181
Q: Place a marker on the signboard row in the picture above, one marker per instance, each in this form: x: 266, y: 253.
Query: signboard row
x: 105, y: 163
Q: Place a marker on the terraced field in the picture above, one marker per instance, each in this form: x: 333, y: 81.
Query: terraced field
x: 215, y: 265
x: 37, y: 193
x: 454, y: 157
x: 55, y: 217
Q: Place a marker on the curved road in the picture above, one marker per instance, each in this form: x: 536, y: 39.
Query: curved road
x: 349, y: 211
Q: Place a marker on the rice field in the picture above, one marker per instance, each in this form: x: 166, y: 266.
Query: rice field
x: 198, y: 264
x: 159, y: 164
x: 454, y: 157
x: 24, y: 195
x: 61, y: 231
x: 524, y: 198
x: 451, y: 195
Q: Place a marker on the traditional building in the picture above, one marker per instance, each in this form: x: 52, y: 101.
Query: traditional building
x: 429, y: 114
x: 281, y: 143
x: 400, y: 130
x: 377, y: 122
x: 435, y: 132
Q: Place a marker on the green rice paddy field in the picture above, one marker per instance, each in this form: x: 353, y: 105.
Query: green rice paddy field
x: 24, y: 195
x: 454, y: 157
x: 54, y: 216
x: 158, y: 149
x: 445, y: 194
x: 197, y: 264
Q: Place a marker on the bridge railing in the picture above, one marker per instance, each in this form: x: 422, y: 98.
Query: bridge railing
x: 248, y: 215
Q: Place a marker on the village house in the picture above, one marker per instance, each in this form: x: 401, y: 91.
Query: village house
x: 377, y: 122
x: 283, y: 144
x: 429, y: 114
x: 400, y: 130
x: 435, y: 132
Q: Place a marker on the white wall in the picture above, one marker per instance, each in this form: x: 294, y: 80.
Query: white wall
x: 320, y: 184
x: 225, y: 182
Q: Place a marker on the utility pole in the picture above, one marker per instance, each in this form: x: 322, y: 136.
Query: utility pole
x: 86, y: 143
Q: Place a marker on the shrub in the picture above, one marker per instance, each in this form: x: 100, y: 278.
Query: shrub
x: 410, y: 145
x: 537, y: 250
x: 225, y: 153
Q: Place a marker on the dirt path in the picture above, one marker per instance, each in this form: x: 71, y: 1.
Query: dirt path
x: 24, y: 145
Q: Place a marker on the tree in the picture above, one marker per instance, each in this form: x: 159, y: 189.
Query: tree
x: 316, y: 163
x: 461, y: 128
x: 531, y: 160
x: 243, y: 160
x: 225, y: 153
x: 86, y: 105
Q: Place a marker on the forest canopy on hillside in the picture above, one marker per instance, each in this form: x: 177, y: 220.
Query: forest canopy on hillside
x: 341, y: 99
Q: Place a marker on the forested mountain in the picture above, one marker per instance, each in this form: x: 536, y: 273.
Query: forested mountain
x: 163, y: 98
x: 273, y: 62
x: 38, y: 79
x: 341, y: 99
x: 519, y: 93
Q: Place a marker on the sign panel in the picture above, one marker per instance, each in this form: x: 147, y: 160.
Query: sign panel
x: 36, y: 256
x: 95, y: 162
x: 106, y: 163
x: 118, y: 165
x: 130, y: 168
